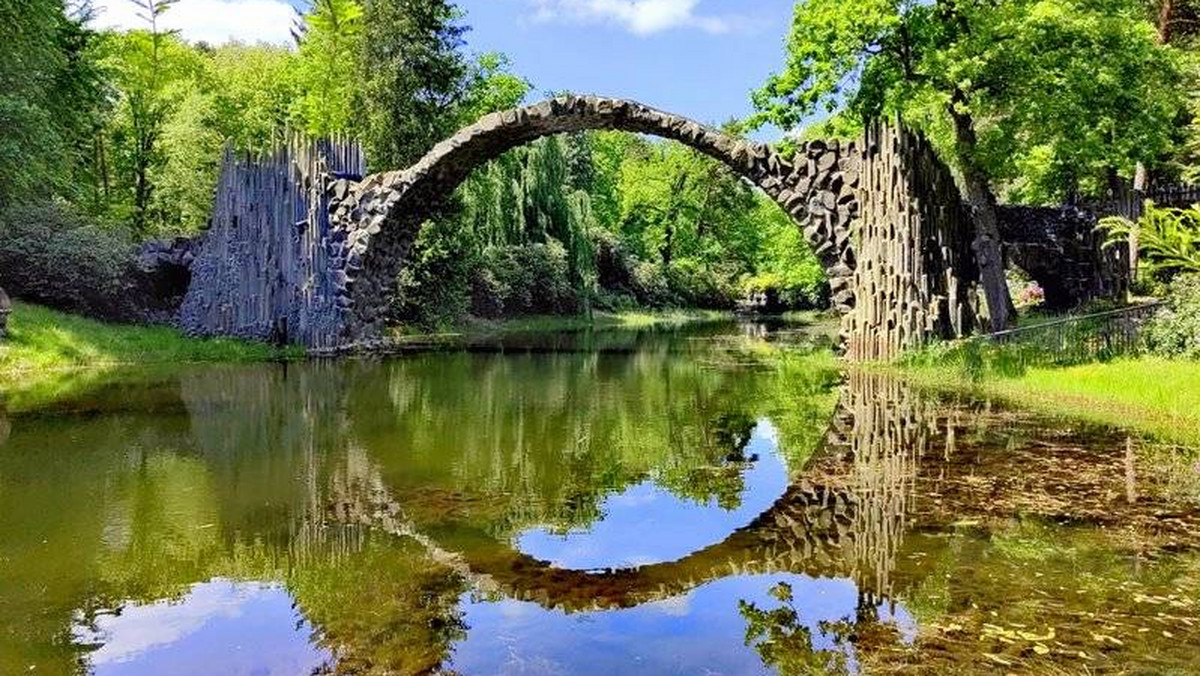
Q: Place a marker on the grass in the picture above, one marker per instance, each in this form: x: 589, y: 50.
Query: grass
x: 1149, y: 394
x: 45, y: 347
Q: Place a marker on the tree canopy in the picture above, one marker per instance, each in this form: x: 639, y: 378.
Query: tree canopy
x: 1062, y: 94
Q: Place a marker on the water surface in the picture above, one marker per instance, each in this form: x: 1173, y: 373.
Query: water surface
x: 682, y: 502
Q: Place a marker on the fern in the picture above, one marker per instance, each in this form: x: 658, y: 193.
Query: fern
x: 1168, y: 239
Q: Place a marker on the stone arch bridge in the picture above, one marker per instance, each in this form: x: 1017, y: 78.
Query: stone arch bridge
x: 315, y: 252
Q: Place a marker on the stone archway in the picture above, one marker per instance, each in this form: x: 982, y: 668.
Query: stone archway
x: 378, y: 219
x: 300, y: 251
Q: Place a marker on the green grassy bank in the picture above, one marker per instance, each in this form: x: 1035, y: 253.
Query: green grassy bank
x: 47, y: 346
x: 50, y: 354
x: 1149, y: 394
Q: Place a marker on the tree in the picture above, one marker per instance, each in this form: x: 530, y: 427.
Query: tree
x: 1053, y: 96
x: 52, y: 97
x: 329, y: 37
x: 413, y: 76
x: 152, y: 70
x: 254, y: 90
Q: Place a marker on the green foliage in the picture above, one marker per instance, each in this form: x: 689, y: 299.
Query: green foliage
x: 326, y: 66
x: 1060, y: 93
x: 432, y: 289
x: 253, y: 88
x: 786, y: 266
x: 190, y: 140
x: 54, y: 255
x: 52, y: 96
x: 784, y: 642
x: 1168, y: 239
x: 153, y: 72
x: 531, y: 279
x: 411, y: 78
x: 1175, y: 331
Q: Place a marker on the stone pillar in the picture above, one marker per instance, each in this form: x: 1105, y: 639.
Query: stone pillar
x: 915, y: 274
x: 5, y: 309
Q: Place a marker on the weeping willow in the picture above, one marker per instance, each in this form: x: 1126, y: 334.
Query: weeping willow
x: 527, y: 196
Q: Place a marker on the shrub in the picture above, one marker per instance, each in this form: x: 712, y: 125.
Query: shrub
x: 523, y: 280
x: 1169, y: 239
x: 649, y: 285
x: 614, y: 264
x: 432, y: 290
x: 614, y: 301
x: 693, y: 284
x: 55, y: 256
x: 792, y: 293
x: 1175, y: 331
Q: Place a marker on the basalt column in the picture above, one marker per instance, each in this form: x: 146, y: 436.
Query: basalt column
x: 265, y: 269
x: 915, y: 274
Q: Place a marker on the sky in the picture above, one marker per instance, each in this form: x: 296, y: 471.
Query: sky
x: 698, y: 58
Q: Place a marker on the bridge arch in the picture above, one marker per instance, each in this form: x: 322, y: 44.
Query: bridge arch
x: 376, y: 221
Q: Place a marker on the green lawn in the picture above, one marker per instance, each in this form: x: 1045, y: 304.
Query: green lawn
x: 42, y: 342
x: 1151, y: 394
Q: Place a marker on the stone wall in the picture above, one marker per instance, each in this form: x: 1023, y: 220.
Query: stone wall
x: 264, y: 270
x: 1060, y: 248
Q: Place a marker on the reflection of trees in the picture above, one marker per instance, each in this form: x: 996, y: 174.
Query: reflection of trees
x: 264, y: 473
x: 384, y: 609
x: 578, y: 428
x: 786, y: 644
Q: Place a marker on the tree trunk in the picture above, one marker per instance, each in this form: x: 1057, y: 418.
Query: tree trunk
x: 982, y: 204
x: 1166, y: 13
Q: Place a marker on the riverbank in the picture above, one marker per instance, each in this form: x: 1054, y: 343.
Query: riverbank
x: 1153, y: 395
x: 41, y: 340
x: 637, y: 319
x: 50, y: 354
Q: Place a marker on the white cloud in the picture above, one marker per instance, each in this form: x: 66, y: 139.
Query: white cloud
x: 211, y: 21
x: 641, y: 17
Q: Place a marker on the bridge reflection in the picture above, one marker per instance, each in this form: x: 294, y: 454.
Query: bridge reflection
x: 842, y: 516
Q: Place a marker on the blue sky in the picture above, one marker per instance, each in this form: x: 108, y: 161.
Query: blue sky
x: 677, y: 62
x: 699, y: 58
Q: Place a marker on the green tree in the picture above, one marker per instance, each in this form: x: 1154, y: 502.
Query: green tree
x: 239, y: 96
x: 153, y: 71
x: 1058, y: 93
x: 329, y: 37
x: 413, y: 78
x: 255, y: 86
x: 52, y: 98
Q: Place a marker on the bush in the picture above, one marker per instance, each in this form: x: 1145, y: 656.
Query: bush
x: 55, y: 256
x: 649, y: 285
x: 524, y: 280
x: 792, y: 293
x: 432, y: 290
x: 693, y: 284
x: 1175, y: 331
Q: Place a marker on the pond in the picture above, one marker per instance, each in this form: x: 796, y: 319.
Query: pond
x: 712, y: 500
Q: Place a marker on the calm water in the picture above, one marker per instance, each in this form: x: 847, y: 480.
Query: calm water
x: 633, y: 503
